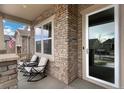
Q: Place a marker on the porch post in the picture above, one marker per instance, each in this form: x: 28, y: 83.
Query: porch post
x: 2, y: 45
x: 32, y: 41
x: 65, y: 42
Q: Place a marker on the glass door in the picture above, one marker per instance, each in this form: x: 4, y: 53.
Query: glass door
x: 102, y: 55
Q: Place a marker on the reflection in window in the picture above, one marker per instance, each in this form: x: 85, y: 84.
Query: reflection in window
x: 47, y: 46
x: 43, y: 37
x: 10, y: 36
x: 38, y: 39
x: 38, y: 46
x: 47, y: 30
x: 101, y: 45
x: 102, y: 42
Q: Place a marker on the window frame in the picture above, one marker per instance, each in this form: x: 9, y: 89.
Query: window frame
x: 46, y: 21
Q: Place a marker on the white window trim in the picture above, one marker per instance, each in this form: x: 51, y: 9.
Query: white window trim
x: 90, y: 78
x: 51, y: 56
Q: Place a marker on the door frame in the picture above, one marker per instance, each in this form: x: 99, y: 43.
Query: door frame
x: 116, y: 42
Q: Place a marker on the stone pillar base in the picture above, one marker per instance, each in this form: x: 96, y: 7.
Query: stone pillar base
x: 2, y: 51
x: 8, y: 71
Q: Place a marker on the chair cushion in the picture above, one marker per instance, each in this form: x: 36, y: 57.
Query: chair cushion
x: 39, y: 69
x: 42, y: 64
x: 43, y: 61
x: 34, y: 58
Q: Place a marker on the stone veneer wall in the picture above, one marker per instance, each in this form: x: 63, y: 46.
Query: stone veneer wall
x: 72, y: 42
x: 60, y: 68
x: 2, y: 47
x: 65, y: 43
x: 8, y: 74
x: 32, y: 42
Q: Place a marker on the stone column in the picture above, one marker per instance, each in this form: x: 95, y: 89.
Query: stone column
x: 72, y: 42
x: 65, y: 42
x: 61, y: 43
x: 32, y: 41
x: 2, y: 45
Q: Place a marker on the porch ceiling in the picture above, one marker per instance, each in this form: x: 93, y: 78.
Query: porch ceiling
x: 24, y: 11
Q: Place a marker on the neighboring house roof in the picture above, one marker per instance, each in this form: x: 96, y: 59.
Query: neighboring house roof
x: 109, y: 41
x: 94, y: 43
x: 7, y: 37
x: 19, y: 35
x: 23, y: 32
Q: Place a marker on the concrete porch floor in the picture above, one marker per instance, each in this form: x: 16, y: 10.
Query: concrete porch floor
x: 52, y: 83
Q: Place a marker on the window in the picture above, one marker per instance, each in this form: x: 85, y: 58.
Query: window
x: 43, y: 38
x: 47, y: 38
x: 47, y: 46
x: 38, y: 39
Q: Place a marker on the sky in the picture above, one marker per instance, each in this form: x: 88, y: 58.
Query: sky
x: 10, y: 27
x: 102, y: 32
x: 39, y: 32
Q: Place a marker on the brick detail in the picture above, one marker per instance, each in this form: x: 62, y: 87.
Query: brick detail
x: 65, y: 38
x: 3, y: 68
x: 72, y: 43
x: 2, y: 47
x: 14, y: 76
x: 3, y: 79
x: 9, y: 83
x: 61, y: 43
x: 8, y: 74
x: 12, y: 66
x: 13, y: 87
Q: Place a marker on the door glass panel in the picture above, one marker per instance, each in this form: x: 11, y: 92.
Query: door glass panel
x: 101, y: 35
